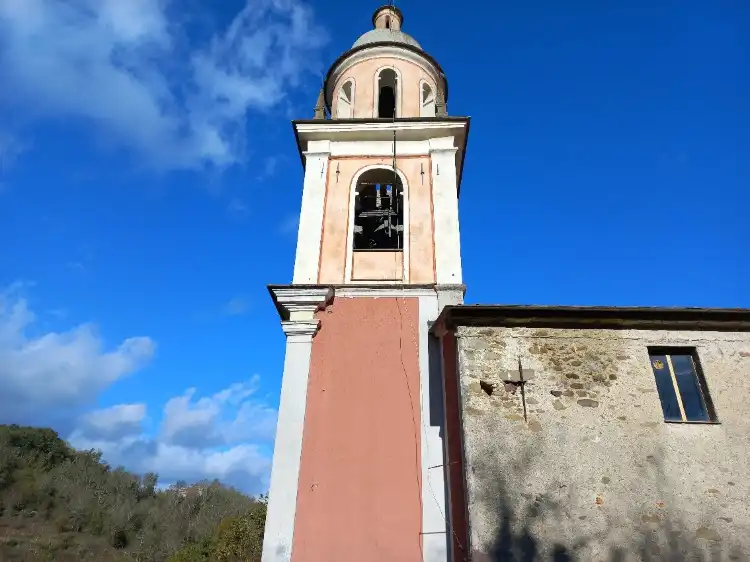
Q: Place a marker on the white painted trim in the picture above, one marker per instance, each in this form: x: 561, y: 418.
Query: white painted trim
x: 422, y: 83
x: 376, y: 90
x: 350, y: 226
x: 353, y: 98
x: 287, y: 454
x: 310, y: 228
x: 300, y: 304
x: 434, y: 525
x: 353, y: 291
x: 330, y: 127
x: 445, y: 208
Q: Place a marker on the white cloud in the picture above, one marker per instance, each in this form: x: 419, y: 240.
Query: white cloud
x: 128, y: 68
x: 43, y: 376
x: 228, y: 417
x: 246, y: 466
x: 54, y: 379
x: 223, y: 436
x: 115, y: 422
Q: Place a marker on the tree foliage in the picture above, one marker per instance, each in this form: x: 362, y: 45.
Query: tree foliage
x: 57, y: 503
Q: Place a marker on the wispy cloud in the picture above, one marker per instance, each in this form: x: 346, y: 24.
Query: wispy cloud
x: 289, y: 224
x: 11, y: 149
x: 237, y: 208
x: 180, y: 104
x: 236, y: 306
x: 270, y: 165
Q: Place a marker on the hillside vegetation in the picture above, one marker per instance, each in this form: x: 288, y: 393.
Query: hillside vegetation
x: 60, y: 504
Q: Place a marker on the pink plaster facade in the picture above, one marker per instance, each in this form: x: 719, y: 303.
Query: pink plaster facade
x: 378, y: 266
x: 420, y: 230
x: 359, y: 492
x: 364, y: 74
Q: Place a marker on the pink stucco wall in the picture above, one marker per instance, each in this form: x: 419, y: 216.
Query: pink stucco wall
x: 378, y: 266
x: 360, y: 477
x: 363, y: 73
x: 336, y: 218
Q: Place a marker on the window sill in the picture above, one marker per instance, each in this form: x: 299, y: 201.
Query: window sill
x: 377, y: 250
x: 680, y: 422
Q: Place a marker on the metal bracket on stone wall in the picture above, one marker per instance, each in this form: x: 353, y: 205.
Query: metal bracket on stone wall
x: 515, y: 378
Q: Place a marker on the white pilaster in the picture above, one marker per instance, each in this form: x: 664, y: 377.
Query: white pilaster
x: 311, y: 212
x: 299, y: 306
x: 434, y: 525
x: 445, y: 202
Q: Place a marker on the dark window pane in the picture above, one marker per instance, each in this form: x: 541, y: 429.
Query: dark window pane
x: 690, y: 388
x: 666, y: 388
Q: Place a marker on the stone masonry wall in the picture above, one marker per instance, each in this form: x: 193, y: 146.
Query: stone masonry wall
x: 595, y: 473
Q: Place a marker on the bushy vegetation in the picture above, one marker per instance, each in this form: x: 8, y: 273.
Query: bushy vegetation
x: 60, y: 504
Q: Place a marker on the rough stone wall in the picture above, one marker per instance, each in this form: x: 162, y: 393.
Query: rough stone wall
x: 595, y: 473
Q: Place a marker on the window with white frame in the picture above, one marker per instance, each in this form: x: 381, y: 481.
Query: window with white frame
x: 387, y: 85
x: 345, y: 103
x: 378, y: 212
x: 427, y: 101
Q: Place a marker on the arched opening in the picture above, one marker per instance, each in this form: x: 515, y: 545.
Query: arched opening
x: 387, y: 22
x: 345, y: 104
x: 378, y: 212
x: 427, y: 108
x: 387, y: 82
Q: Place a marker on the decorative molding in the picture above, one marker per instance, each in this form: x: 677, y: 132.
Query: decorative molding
x: 452, y: 150
x: 297, y: 304
x: 353, y: 291
x: 359, y: 130
x: 315, y: 154
x: 300, y: 329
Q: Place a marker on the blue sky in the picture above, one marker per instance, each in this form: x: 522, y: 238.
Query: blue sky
x: 150, y: 187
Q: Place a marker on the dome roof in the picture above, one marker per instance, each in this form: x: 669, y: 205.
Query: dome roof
x: 386, y: 36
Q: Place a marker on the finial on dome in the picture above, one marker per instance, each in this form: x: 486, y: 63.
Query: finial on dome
x: 388, y: 17
x: 320, y: 106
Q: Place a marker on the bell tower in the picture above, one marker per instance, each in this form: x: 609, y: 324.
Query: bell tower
x: 358, y: 470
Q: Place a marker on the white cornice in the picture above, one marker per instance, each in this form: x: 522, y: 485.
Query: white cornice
x: 299, y: 304
x: 379, y: 130
x: 353, y: 291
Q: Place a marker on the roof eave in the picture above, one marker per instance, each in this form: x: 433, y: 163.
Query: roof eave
x: 596, y: 317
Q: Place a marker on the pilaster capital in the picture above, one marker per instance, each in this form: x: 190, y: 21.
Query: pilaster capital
x: 299, y: 303
x: 448, y: 151
x: 442, y: 145
x: 318, y: 148
x: 300, y: 330
x: 315, y: 154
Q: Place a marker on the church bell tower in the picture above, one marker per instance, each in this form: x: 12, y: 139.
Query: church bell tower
x: 358, y: 472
